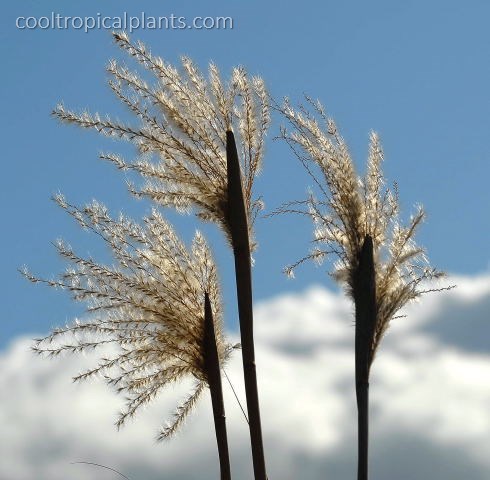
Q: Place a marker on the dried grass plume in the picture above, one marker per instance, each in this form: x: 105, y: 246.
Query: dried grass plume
x: 351, y: 208
x: 183, y: 118
x: 149, y: 305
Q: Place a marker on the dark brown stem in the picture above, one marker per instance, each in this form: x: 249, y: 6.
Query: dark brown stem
x: 362, y: 394
x: 238, y: 223
x: 213, y: 371
x: 365, y: 305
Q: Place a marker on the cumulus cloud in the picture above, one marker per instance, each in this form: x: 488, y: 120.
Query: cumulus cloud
x: 430, y: 393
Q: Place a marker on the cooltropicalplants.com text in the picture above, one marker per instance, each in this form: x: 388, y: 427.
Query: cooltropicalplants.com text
x: 129, y: 23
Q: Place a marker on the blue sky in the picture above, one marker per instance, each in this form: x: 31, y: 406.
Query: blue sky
x: 417, y: 72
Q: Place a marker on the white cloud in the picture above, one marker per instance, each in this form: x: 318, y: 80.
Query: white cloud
x: 429, y: 392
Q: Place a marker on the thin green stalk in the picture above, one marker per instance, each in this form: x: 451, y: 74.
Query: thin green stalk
x: 365, y: 305
x: 237, y: 217
x: 214, y: 380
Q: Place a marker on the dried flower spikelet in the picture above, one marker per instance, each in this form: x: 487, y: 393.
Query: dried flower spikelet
x: 149, y: 305
x: 183, y: 119
x: 351, y: 207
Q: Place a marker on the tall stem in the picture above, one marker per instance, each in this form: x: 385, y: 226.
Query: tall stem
x: 215, y: 387
x: 362, y: 394
x: 365, y: 305
x: 237, y: 217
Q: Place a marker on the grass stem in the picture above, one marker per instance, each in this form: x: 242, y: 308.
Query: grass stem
x: 365, y: 305
x: 237, y: 216
x: 214, y: 379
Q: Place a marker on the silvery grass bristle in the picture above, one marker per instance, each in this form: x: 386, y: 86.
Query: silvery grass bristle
x: 180, y: 131
x: 149, y: 306
x: 356, y: 221
x: 184, y: 123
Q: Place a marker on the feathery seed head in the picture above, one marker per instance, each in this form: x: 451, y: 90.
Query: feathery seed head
x: 183, y: 120
x: 150, y: 305
x: 351, y: 209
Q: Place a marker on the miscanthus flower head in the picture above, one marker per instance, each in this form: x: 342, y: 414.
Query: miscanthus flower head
x: 181, y: 132
x: 351, y: 208
x: 149, y: 305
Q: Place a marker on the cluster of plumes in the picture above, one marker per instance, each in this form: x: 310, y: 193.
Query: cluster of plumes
x: 183, y: 122
x: 349, y: 208
x: 150, y: 305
